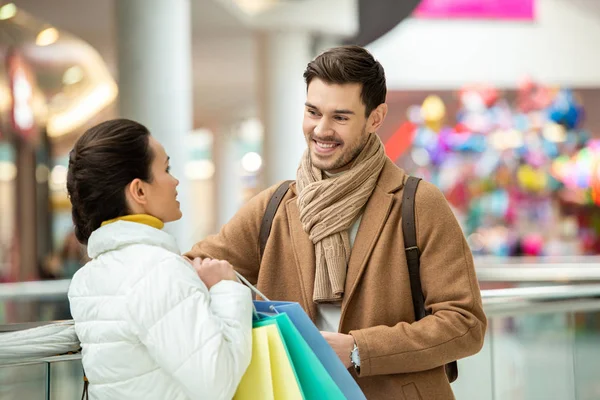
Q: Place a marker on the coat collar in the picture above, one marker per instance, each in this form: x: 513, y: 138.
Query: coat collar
x: 121, y: 234
x: 391, y: 178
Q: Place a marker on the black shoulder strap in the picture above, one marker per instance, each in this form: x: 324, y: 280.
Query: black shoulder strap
x: 267, y: 221
x: 409, y: 232
x: 85, y: 394
x: 413, y: 255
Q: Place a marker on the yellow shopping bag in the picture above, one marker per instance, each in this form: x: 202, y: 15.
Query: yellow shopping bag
x: 270, y: 375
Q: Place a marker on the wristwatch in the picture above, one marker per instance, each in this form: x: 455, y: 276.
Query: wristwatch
x: 355, y: 358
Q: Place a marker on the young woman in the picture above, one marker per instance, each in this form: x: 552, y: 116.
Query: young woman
x: 152, y: 325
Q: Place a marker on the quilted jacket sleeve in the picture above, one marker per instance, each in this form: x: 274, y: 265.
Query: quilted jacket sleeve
x: 202, y: 339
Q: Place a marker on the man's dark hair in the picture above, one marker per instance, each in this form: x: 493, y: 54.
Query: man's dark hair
x: 101, y: 165
x: 350, y: 64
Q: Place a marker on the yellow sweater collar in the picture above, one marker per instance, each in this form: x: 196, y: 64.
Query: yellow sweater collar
x: 140, y: 219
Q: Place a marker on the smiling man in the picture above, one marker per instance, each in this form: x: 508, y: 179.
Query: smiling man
x: 336, y: 244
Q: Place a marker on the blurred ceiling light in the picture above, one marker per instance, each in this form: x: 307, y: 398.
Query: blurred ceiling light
x: 98, y: 98
x: 41, y: 173
x: 47, y: 37
x: 251, y: 162
x: 200, y: 138
x: 8, y: 11
x: 22, y: 96
x: 72, y: 75
x: 251, y: 130
x: 255, y: 6
x: 199, y: 170
x: 5, y: 98
x: 58, y: 178
x: 8, y: 171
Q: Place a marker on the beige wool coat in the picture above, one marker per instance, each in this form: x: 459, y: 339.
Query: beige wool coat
x: 400, y: 358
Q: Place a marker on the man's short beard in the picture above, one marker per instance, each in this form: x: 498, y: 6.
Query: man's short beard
x: 346, y: 160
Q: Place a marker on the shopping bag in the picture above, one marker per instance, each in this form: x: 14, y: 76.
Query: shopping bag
x: 270, y: 375
x: 311, y: 335
x: 319, y: 346
x: 315, y: 381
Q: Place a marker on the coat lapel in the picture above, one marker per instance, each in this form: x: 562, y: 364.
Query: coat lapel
x: 372, y: 222
x: 304, y: 253
x: 374, y: 217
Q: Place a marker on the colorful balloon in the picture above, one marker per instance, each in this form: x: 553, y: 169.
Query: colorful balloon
x: 433, y: 112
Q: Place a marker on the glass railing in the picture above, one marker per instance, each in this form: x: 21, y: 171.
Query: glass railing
x: 56, y: 378
x: 543, y: 342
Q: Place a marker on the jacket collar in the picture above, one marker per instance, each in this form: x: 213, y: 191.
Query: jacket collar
x: 145, y: 219
x: 121, y: 234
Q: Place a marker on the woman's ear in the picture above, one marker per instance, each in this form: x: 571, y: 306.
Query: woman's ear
x: 136, y: 194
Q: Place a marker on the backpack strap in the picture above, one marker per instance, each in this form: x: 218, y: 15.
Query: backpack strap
x: 270, y: 211
x: 409, y: 232
x: 413, y: 259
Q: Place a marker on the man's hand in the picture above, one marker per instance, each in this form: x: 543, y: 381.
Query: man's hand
x: 342, y: 345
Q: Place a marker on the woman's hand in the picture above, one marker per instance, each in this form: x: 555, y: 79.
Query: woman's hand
x: 212, y: 271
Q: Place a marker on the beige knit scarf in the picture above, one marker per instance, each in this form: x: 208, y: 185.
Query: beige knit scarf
x: 328, y: 207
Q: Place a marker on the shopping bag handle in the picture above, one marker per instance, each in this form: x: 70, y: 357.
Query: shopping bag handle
x: 257, y: 292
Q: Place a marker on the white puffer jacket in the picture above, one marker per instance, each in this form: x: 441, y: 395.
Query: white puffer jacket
x: 148, y: 326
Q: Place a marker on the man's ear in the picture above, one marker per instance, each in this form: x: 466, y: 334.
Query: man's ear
x: 377, y: 117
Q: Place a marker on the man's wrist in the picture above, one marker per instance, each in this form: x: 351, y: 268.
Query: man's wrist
x: 355, y: 357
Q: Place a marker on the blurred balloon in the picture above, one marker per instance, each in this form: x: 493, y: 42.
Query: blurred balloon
x: 461, y: 128
x: 501, y: 160
x: 566, y: 110
x: 477, y: 98
x: 487, y: 163
x: 457, y: 196
x: 532, y: 179
x: 554, y: 132
x: 532, y: 244
x: 414, y: 114
x: 433, y: 112
x: 532, y: 96
x: 595, y: 182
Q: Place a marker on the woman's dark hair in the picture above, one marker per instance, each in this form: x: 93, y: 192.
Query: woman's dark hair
x: 350, y: 64
x: 101, y: 165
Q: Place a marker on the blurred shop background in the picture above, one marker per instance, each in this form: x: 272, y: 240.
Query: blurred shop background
x: 494, y: 101
x: 491, y: 100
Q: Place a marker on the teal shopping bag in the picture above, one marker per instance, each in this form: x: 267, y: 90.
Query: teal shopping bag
x: 315, y: 381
